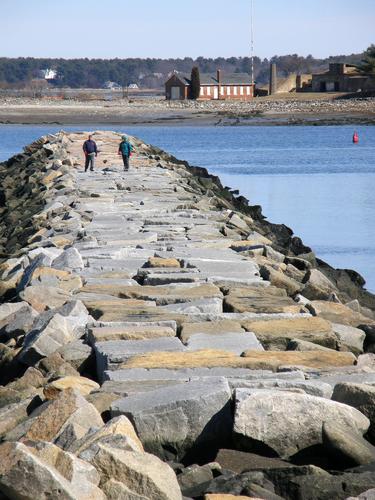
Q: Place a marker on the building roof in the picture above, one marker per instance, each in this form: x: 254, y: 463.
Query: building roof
x: 211, y: 78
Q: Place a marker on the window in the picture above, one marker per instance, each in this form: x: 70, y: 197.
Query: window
x: 234, y: 90
x: 228, y: 90
x: 222, y: 90
x: 247, y: 90
x: 208, y: 90
x: 202, y: 90
x: 241, y: 90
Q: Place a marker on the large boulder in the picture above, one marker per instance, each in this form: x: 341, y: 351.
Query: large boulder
x: 53, y: 330
x: 317, y: 286
x: 62, y: 420
x: 348, y: 445
x: 116, y: 427
x: 338, y: 313
x: 349, y: 338
x: 69, y: 259
x: 141, y: 474
x: 178, y: 419
x: 45, y: 472
x: 81, y: 384
x: 16, y: 319
x: 287, y: 422
x: 42, y: 297
x: 359, y: 396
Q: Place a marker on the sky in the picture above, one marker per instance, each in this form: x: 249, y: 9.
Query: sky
x: 171, y: 28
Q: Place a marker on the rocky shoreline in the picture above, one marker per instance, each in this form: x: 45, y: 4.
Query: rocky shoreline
x: 287, y: 110
x: 160, y: 339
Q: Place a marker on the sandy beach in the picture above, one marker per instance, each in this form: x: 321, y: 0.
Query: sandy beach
x: 283, y: 109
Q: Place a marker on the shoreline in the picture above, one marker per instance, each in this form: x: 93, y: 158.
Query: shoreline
x: 286, y: 110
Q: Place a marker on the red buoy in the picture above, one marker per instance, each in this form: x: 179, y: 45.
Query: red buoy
x: 355, y: 138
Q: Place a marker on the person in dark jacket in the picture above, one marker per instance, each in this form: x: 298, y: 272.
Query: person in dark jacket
x: 125, y: 150
x: 91, y: 151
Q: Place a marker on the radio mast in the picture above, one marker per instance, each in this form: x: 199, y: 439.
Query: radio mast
x: 252, y: 41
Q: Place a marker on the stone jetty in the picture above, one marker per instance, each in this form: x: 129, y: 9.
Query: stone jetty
x: 160, y: 339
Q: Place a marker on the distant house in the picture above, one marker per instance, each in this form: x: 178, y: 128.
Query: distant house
x: 133, y: 86
x: 219, y: 86
x: 48, y: 74
x: 112, y: 85
x: 342, y: 78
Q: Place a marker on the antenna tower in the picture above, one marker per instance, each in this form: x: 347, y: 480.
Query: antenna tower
x: 252, y: 41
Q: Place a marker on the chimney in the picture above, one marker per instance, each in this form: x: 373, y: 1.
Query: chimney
x: 218, y: 76
x: 273, y: 79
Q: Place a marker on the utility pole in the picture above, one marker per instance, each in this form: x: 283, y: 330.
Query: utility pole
x: 252, y: 43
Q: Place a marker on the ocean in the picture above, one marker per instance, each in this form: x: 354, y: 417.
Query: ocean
x: 313, y: 179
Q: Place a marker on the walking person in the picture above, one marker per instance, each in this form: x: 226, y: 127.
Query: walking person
x: 91, y: 151
x: 125, y: 150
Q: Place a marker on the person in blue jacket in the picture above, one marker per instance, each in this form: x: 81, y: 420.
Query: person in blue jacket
x: 125, y: 150
x: 91, y: 151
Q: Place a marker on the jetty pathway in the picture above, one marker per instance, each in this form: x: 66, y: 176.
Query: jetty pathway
x: 159, y: 343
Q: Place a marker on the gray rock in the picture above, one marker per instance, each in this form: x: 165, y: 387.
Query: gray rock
x: 155, y: 374
x: 359, y: 396
x: 16, y: 319
x: 355, y: 377
x: 333, y: 486
x: 311, y: 387
x: 44, y: 472
x: 143, y: 475
x: 13, y: 414
x: 304, y: 345
x: 78, y: 354
x: 318, y: 286
x: 236, y: 342
x: 194, y: 480
x: 114, y: 352
x: 349, y: 337
x: 210, y: 306
x: 179, y: 418
x: 239, y: 461
x: 69, y: 259
x: 54, y: 331
x: 287, y: 422
x: 367, y: 495
x: 348, y: 445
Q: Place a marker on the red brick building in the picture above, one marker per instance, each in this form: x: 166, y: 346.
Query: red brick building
x: 213, y: 87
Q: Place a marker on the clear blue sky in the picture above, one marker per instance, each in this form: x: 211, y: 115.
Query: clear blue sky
x: 171, y: 28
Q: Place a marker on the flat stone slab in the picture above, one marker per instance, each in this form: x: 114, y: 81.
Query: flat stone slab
x: 277, y: 333
x: 143, y: 374
x: 211, y: 306
x: 268, y: 360
x: 355, y: 378
x: 103, y: 334
x: 209, y: 328
x: 236, y: 342
x: 311, y: 387
x: 113, y: 352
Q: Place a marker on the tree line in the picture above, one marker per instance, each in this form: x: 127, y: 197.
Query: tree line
x: 152, y: 73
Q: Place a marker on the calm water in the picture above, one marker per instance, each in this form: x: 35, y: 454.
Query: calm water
x: 312, y: 179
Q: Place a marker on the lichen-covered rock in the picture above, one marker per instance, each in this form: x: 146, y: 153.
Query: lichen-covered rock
x: 63, y: 420
x: 45, y: 472
x: 141, y: 473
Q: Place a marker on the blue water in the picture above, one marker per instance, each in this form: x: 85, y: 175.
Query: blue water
x: 312, y: 179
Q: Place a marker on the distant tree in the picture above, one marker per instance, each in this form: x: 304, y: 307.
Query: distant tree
x: 195, y: 87
x: 367, y: 64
